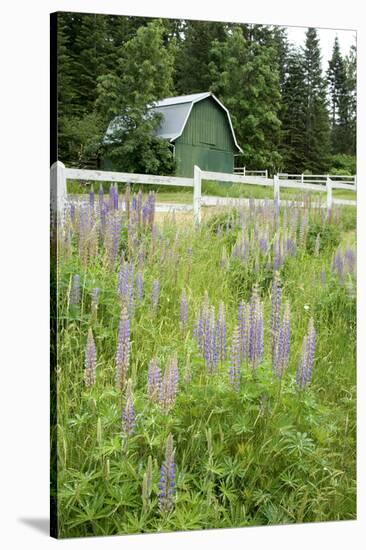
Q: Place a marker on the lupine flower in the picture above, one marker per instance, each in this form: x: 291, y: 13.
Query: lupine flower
x: 243, y: 327
x: 154, y: 381
x: 169, y: 385
x: 90, y: 361
x: 350, y: 259
x: 112, y: 238
x: 338, y: 266
x: 235, y: 362
x: 221, y: 332
x: 306, y: 363
x: 75, y: 291
x: 255, y: 329
x: 276, y: 310
x: 115, y: 196
x: 95, y: 299
x: 155, y: 292
x: 72, y: 213
x: 128, y: 413
x: 101, y: 197
x: 183, y: 310
x: 91, y: 198
x: 167, y: 478
x: 123, y: 349
x: 139, y: 286
x: 281, y: 351
x: 125, y: 285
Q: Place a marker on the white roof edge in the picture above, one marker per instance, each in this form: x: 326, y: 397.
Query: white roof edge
x: 197, y: 100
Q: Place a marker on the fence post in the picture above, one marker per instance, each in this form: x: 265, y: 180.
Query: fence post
x: 197, y: 195
x: 276, y: 188
x: 355, y: 182
x: 244, y: 171
x: 58, y: 189
x: 302, y: 179
x: 329, y: 193
x: 266, y: 174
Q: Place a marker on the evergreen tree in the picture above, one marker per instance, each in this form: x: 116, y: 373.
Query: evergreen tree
x: 351, y: 72
x: 247, y: 82
x: 193, y: 57
x: 317, y: 133
x: 340, y: 101
x: 294, y: 103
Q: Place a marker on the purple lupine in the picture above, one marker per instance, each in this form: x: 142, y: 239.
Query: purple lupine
x: 75, y: 291
x: 255, y: 329
x: 127, y: 200
x: 235, y: 361
x: 338, y: 266
x: 167, y: 478
x: 276, y: 310
x: 155, y: 293
x: 91, y: 198
x: 128, y: 413
x: 243, y: 327
x: 84, y: 228
x: 125, y: 285
x: 183, y: 312
x: 154, y: 381
x: 101, y: 198
x: 115, y: 196
x: 281, y: 351
x: 210, y: 344
x: 139, y: 289
x: 111, y: 197
x: 123, y: 349
x: 95, y: 292
x: 72, y: 213
x: 350, y: 260
x: 112, y: 238
x: 306, y: 363
x: 221, y: 331
x: 90, y: 361
x: 169, y: 385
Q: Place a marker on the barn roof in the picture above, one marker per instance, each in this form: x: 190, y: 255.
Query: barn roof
x: 175, y: 111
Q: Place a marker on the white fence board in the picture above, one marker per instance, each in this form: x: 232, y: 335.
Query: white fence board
x: 123, y: 177
x: 235, y: 178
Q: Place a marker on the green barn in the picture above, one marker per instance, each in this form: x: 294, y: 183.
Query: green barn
x: 200, y: 130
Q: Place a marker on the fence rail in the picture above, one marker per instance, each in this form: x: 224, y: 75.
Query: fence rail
x: 241, y: 170
x: 60, y: 174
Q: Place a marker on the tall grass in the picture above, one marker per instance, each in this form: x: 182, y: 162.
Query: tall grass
x: 269, y: 453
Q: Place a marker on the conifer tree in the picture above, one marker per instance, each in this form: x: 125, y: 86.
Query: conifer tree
x: 245, y: 79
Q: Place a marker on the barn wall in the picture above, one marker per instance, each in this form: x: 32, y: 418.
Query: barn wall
x: 206, y: 141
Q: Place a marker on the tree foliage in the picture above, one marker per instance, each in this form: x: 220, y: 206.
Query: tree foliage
x: 287, y: 115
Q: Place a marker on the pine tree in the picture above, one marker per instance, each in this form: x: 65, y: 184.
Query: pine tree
x: 294, y: 102
x: 340, y: 99
x: 317, y: 133
x: 247, y: 82
x: 193, y: 57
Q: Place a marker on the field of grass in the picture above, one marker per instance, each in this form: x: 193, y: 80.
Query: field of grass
x: 185, y: 396
x: 184, y: 195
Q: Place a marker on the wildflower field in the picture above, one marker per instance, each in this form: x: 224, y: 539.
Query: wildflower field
x: 206, y: 376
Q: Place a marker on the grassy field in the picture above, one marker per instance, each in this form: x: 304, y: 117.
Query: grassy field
x: 184, y: 195
x: 185, y: 396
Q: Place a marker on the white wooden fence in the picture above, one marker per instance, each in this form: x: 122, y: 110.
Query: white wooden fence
x: 323, y: 183
x: 242, y: 171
